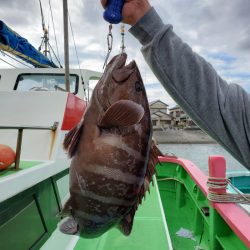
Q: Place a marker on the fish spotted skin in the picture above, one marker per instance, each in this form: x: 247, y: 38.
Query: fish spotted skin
x: 112, y: 156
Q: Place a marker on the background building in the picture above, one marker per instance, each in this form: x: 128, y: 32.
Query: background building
x: 163, y: 117
x: 181, y: 119
x: 159, y: 115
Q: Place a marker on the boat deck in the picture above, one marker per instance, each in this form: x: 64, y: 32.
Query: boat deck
x: 23, y: 166
x: 149, y: 230
x: 178, y: 199
x: 29, y: 174
x: 199, y: 223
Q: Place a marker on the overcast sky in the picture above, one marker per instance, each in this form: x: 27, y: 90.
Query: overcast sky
x: 219, y: 30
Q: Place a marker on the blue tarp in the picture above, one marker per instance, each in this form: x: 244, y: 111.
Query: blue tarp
x: 13, y: 43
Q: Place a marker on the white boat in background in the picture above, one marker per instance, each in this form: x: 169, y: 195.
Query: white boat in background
x: 35, y: 114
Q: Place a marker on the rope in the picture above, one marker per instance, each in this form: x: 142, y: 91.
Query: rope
x: 8, y: 63
x: 58, y: 60
x: 13, y: 58
x: 84, y: 90
x: 220, y: 183
x: 57, y: 57
x: 41, y: 9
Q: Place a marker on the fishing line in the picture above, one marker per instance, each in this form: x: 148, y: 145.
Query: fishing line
x: 58, y: 60
x: 123, y: 38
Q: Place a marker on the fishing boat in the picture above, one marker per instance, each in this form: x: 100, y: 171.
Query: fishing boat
x: 175, y: 215
x: 35, y: 114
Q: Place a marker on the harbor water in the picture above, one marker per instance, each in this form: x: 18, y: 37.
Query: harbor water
x: 199, y: 153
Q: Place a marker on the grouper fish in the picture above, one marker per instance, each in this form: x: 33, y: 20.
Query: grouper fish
x: 113, y: 156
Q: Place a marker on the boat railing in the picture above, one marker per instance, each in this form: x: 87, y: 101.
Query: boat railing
x: 20, y: 129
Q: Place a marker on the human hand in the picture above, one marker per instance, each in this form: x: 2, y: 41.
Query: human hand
x: 133, y: 10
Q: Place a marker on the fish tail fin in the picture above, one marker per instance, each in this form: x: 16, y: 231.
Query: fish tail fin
x: 72, y: 139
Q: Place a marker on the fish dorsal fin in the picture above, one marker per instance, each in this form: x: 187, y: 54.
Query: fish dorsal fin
x: 122, y: 113
x: 72, y: 139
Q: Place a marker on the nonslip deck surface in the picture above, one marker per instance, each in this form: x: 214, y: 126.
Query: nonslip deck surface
x: 148, y: 231
x: 23, y: 166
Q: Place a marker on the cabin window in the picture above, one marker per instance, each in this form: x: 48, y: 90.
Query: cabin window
x: 45, y: 82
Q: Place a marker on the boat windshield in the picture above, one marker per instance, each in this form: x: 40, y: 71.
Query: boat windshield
x: 45, y: 82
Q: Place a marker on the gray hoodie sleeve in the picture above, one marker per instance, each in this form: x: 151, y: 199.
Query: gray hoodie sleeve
x: 222, y: 110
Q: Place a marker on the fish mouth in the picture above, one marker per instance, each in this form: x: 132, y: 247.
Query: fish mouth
x: 123, y: 58
x: 131, y: 65
x: 69, y: 226
x: 118, y: 61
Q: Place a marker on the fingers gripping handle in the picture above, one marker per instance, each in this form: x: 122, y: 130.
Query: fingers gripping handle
x: 113, y: 12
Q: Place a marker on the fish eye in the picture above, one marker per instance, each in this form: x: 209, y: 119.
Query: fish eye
x: 138, y: 86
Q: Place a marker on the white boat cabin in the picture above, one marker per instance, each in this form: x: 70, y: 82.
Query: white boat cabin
x: 34, y: 98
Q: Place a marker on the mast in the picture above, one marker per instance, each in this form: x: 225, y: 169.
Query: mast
x: 46, y: 42
x: 45, y: 38
x: 66, y: 44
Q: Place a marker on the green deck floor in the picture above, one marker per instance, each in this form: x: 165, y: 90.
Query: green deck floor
x: 179, y: 218
x: 148, y: 231
x: 23, y: 165
x: 187, y: 209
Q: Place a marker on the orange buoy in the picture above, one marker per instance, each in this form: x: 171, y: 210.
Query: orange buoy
x: 7, y: 156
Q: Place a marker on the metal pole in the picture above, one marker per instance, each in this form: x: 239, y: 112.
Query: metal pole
x: 18, y: 148
x: 46, y: 42
x: 66, y: 44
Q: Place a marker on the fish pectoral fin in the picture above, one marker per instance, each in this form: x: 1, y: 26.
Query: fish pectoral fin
x: 122, y: 113
x: 69, y: 226
x: 126, y: 223
x: 72, y: 139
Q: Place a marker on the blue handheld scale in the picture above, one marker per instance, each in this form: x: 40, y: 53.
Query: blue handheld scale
x: 113, y: 12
